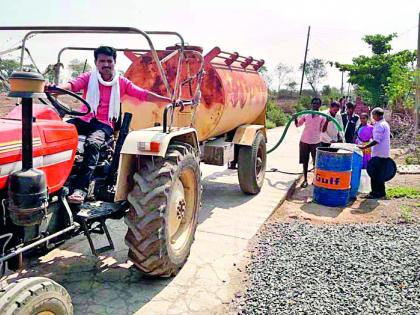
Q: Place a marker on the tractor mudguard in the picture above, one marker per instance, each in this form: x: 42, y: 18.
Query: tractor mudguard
x: 147, y: 142
x: 245, y: 134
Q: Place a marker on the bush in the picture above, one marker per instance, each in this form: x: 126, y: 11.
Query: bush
x: 269, y: 124
x: 304, y: 102
x: 299, y: 107
x: 275, y: 114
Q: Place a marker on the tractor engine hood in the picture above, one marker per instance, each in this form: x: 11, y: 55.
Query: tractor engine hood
x: 54, y: 145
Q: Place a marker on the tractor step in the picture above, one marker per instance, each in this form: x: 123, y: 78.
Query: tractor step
x: 92, y: 217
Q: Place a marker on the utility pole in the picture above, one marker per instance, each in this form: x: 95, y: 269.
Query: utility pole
x: 84, y: 66
x: 416, y: 110
x: 342, y: 82
x: 304, y: 61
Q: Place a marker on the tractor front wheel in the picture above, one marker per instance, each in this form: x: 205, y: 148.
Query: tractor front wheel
x: 35, y: 296
x: 162, y: 219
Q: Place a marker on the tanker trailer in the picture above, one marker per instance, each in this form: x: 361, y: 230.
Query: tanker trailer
x: 226, y: 128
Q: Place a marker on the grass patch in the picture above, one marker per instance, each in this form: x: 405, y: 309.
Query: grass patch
x: 412, y: 160
x: 403, y: 192
x: 406, y: 214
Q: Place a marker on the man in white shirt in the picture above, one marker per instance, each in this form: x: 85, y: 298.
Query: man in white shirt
x: 381, y: 152
x: 330, y: 132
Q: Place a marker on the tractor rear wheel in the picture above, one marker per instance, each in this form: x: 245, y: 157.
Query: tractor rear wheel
x: 252, y: 161
x: 35, y: 296
x: 162, y: 219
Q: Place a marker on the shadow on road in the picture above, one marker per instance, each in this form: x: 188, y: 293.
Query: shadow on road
x: 220, y: 195
x: 104, y: 285
x: 364, y: 207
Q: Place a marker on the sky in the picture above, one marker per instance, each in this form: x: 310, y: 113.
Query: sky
x: 273, y: 30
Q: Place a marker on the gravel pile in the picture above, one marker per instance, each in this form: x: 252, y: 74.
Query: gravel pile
x: 301, y: 268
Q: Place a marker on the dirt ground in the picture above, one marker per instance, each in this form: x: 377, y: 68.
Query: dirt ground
x: 7, y: 103
x: 300, y: 206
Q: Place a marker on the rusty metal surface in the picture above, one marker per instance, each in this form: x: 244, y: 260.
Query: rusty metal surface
x: 245, y: 134
x: 144, y: 72
x: 230, y: 95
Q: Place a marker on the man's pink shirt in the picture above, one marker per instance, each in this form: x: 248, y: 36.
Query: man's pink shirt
x: 313, y: 128
x: 126, y: 88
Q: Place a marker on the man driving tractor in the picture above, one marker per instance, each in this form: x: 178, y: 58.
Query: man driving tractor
x: 103, y: 89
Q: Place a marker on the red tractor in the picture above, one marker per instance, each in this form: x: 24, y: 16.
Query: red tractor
x: 148, y: 174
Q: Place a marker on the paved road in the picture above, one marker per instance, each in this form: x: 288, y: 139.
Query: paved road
x: 227, y: 221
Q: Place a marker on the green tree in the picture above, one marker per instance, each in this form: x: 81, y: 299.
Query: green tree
x: 373, y: 74
x: 315, y: 71
x: 401, y: 81
x: 380, y: 44
x: 7, y: 66
x: 329, y: 93
x: 77, y: 67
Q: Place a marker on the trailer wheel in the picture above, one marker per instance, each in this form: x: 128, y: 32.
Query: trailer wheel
x: 251, y: 165
x: 162, y: 219
x: 35, y: 296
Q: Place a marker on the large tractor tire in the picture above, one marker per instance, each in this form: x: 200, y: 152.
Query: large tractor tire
x: 162, y: 219
x: 35, y: 296
x: 252, y: 161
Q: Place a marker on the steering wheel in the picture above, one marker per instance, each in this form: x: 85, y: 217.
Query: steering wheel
x: 63, y: 108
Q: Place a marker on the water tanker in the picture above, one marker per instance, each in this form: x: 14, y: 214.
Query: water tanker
x: 150, y: 174
x: 233, y: 93
x: 226, y: 126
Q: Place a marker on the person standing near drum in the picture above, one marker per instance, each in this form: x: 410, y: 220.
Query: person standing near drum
x: 351, y: 122
x: 311, y: 137
x: 330, y: 132
x: 381, y: 149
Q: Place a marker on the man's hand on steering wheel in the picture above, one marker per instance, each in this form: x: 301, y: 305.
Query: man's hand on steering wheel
x: 62, y: 108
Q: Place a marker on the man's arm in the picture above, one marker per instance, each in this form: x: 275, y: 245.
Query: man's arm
x: 80, y: 83
x: 64, y: 86
x: 378, y: 134
x: 156, y: 98
x: 299, y: 122
x: 325, y: 125
x: 370, y: 144
x: 144, y: 95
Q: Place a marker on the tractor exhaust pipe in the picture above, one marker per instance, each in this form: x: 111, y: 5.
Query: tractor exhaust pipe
x: 27, y: 188
x: 27, y: 162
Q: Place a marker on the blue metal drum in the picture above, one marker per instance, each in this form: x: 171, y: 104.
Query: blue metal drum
x: 333, y: 169
x: 356, y: 169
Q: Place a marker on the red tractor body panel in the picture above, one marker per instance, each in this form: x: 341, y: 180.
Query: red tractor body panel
x: 54, y: 145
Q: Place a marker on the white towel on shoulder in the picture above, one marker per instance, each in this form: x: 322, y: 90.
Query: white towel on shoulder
x: 93, y: 96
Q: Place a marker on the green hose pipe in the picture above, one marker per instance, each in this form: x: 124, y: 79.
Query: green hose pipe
x: 314, y: 112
